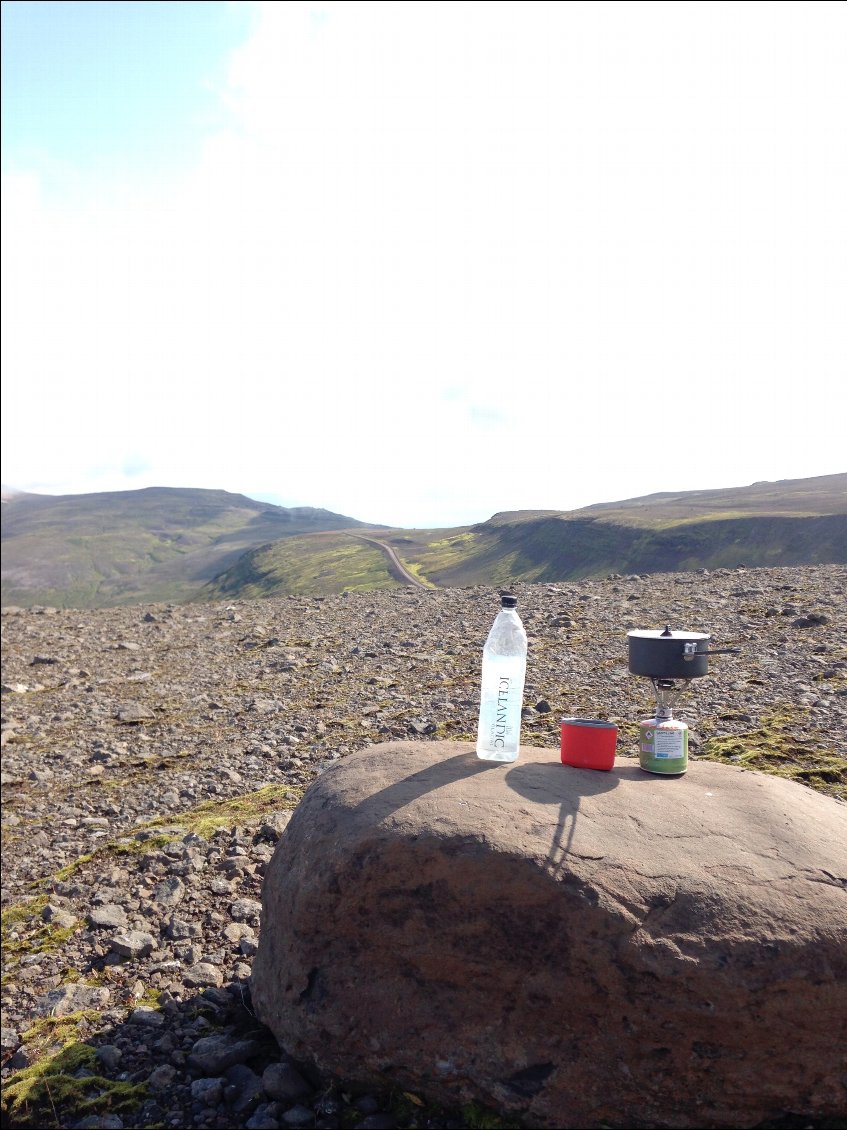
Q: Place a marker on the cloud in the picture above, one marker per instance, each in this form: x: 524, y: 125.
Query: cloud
x: 449, y: 262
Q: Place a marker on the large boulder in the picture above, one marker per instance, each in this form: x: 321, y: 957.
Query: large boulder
x: 578, y: 947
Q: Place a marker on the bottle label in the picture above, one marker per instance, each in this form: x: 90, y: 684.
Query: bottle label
x: 501, y: 728
x: 500, y: 708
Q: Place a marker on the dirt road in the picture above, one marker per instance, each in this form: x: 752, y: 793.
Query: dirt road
x: 395, y: 566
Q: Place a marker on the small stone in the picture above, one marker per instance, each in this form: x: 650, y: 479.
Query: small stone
x: 218, y: 998
x: 147, y: 1017
x: 134, y: 712
x: 207, y: 1091
x: 58, y: 917
x: 214, y: 1054
x: 179, y: 929
x: 421, y: 728
x: 23, y: 1057
x: 243, y: 1089
x: 107, y: 916
x: 274, y: 825
x: 284, y: 1082
x: 71, y: 998
x: 109, y: 1056
x: 161, y: 1077
x: 132, y: 943
x: 203, y: 973
x: 170, y: 892
x: 299, y: 1116
x: 246, y: 909
x: 263, y: 1118
x: 235, y: 931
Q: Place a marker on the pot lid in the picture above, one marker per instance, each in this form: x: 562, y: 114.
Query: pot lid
x: 667, y: 634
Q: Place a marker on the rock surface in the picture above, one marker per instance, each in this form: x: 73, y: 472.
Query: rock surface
x: 144, y: 789
x: 574, y: 946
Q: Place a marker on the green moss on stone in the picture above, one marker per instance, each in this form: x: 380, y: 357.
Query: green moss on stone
x: 205, y: 819
x: 65, y: 1080
x: 780, y: 746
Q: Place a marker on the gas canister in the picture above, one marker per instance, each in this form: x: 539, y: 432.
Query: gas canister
x: 663, y: 746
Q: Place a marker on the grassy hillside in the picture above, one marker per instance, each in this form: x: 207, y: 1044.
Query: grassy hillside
x: 560, y: 548
x: 797, y: 522
x: 798, y: 498
x: 121, y: 547
x: 311, y: 565
x: 168, y: 544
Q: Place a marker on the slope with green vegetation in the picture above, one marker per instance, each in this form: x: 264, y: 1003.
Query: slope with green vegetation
x: 122, y: 547
x: 178, y: 545
x: 311, y: 565
x: 568, y: 548
x: 796, y: 522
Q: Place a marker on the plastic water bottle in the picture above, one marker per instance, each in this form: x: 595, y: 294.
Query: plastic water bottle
x: 503, y: 674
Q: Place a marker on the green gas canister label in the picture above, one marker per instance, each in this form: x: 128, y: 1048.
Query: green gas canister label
x: 663, y: 746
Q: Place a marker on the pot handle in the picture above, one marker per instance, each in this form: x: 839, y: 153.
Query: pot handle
x: 689, y: 651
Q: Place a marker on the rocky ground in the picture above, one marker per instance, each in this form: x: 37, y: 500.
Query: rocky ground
x: 152, y: 754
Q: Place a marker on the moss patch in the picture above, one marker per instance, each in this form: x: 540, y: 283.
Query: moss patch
x: 781, y: 746
x: 68, y: 870
x: 14, y: 916
x: 24, y: 931
x: 205, y: 819
x: 65, y: 1080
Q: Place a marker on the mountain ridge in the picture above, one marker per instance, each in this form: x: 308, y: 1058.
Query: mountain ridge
x: 184, y: 544
x: 119, y: 547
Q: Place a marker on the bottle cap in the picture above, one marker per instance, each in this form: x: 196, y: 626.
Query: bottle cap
x: 508, y: 600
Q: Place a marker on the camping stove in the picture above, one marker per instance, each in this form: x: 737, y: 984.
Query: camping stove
x: 668, y: 658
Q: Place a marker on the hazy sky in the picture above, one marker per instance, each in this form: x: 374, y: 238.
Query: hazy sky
x: 420, y: 262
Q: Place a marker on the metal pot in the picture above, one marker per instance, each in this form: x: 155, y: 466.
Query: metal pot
x: 670, y: 655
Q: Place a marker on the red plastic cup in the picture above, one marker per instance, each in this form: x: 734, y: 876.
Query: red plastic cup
x: 588, y: 743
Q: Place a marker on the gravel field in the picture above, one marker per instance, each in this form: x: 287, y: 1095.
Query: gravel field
x: 152, y: 755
